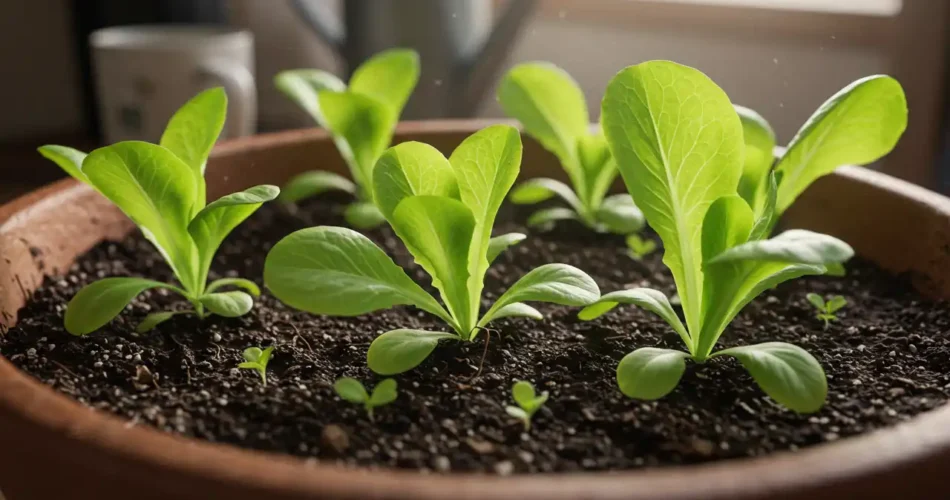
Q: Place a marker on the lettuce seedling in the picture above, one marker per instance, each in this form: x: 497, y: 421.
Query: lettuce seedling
x: 551, y: 108
x: 528, y: 402
x: 352, y: 390
x: 679, y: 144
x: 856, y: 126
x: 638, y: 248
x: 443, y: 210
x: 826, y: 310
x: 162, y: 189
x: 360, y: 117
x: 257, y: 359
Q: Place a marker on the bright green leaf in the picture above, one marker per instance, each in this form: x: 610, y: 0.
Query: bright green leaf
x: 257, y: 360
x: 499, y: 244
x: 554, y: 283
x: 638, y: 247
x: 337, y: 271
x: 835, y: 269
x: 795, y: 246
x: 213, y: 223
x: 389, y: 76
x: 766, y: 217
x: 737, y: 284
x: 620, y: 214
x: 192, y: 132
x: 363, y: 215
x: 252, y: 354
x: 836, y: 303
x: 157, y: 191
x: 551, y: 107
x: 600, y: 169
x: 759, y: 141
x: 816, y: 300
x: 486, y: 165
x: 650, y: 373
x: 787, y: 373
x: 248, y: 286
x: 350, y: 389
x: 68, y: 159
x: 739, y: 274
x: 678, y: 143
x: 97, y: 303
x: 154, y: 319
x: 516, y: 310
x: 541, y: 188
x: 544, y: 219
x: 401, y: 350
x: 518, y: 413
x: 528, y: 402
x: 228, y: 304
x: 438, y: 232
x: 264, y: 358
x: 728, y: 224
x: 651, y: 300
x: 363, y: 127
x: 313, y: 183
x: 257, y: 355
x: 412, y: 169
x: 303, y: 85
x: 384, y: 393
x: 523, y: 393
x: 856, y: 126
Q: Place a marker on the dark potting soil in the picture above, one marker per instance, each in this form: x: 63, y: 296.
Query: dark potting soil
x: 887, y: 359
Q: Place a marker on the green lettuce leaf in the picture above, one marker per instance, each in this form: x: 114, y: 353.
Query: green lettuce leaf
x: 157, y: 191
x: 678, y: 143
x: 856, y: 126
x: 438, y: 233
x: 337, y: 271
x: 192, y: 132
x: 99, y: 302
x: 486, y: 165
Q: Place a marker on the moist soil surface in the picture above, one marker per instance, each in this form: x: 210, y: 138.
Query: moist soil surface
x: 887, y: 359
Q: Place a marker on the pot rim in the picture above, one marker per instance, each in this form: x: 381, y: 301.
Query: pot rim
x: 25, y: 400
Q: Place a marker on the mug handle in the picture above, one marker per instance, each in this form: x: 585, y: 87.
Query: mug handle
x: 242, y: 93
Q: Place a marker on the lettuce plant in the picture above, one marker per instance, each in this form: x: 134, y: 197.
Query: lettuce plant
x: 352, y: 390
x: 443, y: 210
x: 360, y: 117
x: 856, y: 126
x: 528, y: 401
x: 551, y: 108
x: 638, y: 247
x: 162, y: 189
x: 257, y: 359
x: 826, y: 309
x: 679, y: 144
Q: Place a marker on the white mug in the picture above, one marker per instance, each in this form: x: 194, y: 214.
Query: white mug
x: 145, y: 73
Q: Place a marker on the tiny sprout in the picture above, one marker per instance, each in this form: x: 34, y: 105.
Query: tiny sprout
x: 257, y: 359
x: 826, y: 310
x: 528, y: 402
x: 352, y: 390
x: 638, y: 248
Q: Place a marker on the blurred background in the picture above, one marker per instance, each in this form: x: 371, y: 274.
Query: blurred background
x: 780, y: 57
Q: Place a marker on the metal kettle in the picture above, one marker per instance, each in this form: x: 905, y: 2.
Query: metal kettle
x: 460, y: 61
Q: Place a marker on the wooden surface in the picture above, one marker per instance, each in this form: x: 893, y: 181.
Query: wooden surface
x: 54, y: 447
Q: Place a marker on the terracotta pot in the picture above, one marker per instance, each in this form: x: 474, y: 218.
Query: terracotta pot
x: 52, y: 447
